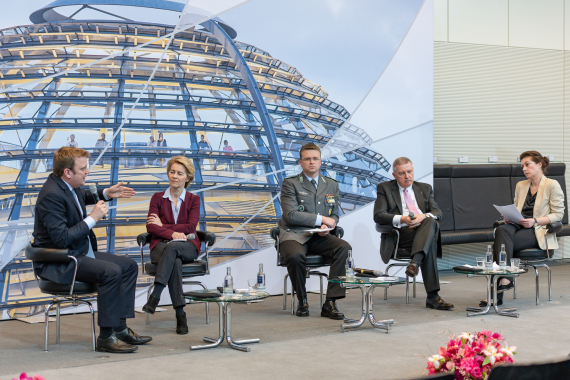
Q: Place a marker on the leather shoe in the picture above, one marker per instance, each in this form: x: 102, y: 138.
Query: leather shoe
x: 181, y: 324
x: 114, y: 345
x: 330, y: 310
x: 412, y: 270
x: 302, y: 308
x: 151, y: 304
x: 438, y: 303
x: 130, y: 337
x: 484, y: 303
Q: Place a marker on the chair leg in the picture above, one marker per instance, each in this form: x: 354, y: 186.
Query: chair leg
x: 292, y: 300
x: 93, y: 326
x: 285, y: 291
x: 57, y: 321
x: 414, y: 286
x: 549, y: 282
x: 515, y: 288
x: 321, y: 278
x: 407, y: 290
x: 537, y: 282
x: 206, y: 303
x: 46, y: 329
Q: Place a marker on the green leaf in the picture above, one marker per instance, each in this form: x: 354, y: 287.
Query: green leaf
x: 487, y: 360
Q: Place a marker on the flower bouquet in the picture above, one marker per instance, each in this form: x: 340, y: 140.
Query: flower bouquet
x: 471, y: 356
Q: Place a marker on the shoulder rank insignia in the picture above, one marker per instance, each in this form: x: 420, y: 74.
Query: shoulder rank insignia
x: 301, y: 178
x: 322, y: 179
x: 301, y: 208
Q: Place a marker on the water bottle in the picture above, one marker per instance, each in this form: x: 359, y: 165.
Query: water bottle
x: 503, y: 258
x: 350, y: 266
x: 229, y: 283
x: 489, y: 259
x: 261, y: 279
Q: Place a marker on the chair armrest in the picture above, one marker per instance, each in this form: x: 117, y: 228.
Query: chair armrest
x: 499, y: 222
x: 274, y: 232
x: 52, y: 255
x: 207, y: 237
x: 384, y: 228
x: 144, y: 239
x: 555, y: 227
x: 338, y: 232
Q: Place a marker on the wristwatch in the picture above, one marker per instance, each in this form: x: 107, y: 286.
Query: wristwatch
x: 535, y: 222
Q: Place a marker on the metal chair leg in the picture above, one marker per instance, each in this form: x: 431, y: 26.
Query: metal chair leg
x: 57, y: 321
x: 285, y: 291
x: 549, y: 282
x: 414, y: 286
x: 321, y: 278
x: 407, y: 290
x: 46, y: 329
x: 515, y: 288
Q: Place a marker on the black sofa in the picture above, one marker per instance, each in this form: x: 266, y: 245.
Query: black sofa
x: 466, y: 194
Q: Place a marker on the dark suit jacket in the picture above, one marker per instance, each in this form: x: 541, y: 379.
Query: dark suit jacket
x: 187, y: 218
x: 388, y: 204
x: 58, y: 224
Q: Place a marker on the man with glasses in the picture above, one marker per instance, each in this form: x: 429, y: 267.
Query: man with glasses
x: 310, y: 200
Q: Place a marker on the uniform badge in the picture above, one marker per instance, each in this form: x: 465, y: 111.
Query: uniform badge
x: 330, y: 211
x: 301, y: 208
x: 330, y: 199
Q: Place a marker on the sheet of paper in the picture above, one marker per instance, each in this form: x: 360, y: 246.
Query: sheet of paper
x: 315, y: 230
x: 510, y: 212
x: 179, y: 240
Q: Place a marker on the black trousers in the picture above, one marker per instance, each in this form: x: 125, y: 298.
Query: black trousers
x: 169, y: 258
x: 295, y: 253
x: 515, y: 238
x: 116, y: 277
x: 424, y: 239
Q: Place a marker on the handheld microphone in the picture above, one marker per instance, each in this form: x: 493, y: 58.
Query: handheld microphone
x: 93, y: 191
x: 412, y: 215
x: 190, y: 237
x: 369, y: 272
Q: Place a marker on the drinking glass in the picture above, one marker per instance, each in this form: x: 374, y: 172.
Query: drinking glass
x: 480, y: 262
x: 515, y: 263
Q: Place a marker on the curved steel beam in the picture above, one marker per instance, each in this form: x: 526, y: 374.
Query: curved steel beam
x: 247, y: 76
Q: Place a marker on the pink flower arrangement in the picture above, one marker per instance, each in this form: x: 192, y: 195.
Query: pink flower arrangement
x: 471, y: 356
x: 23, y: 376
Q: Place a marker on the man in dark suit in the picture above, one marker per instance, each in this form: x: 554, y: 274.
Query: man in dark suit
x: 395, y: 203
x: 310, y: 200
x: 61, y: 221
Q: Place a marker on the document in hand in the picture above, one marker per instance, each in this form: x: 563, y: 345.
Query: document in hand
x: 510, y: 212
x: 316, y: 230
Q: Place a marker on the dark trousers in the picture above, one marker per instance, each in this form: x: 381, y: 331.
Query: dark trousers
x: 116, y: 277
x: 335, y: 251
x: 515, y: 238
x: 169, y: 258
x: 424, y: 239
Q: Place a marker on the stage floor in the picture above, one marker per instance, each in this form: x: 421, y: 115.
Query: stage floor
x: 293, y: 347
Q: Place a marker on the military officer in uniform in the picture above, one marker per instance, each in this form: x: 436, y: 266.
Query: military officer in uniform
x: 310, y: 200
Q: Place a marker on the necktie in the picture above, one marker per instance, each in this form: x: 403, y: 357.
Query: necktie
x: 90, y: 252
x: 314, y: 183
x: 410, y: 203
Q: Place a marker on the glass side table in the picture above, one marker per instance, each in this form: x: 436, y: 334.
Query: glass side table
x: 366, y: 285
x: 225, y: 327
x: 492, y: 279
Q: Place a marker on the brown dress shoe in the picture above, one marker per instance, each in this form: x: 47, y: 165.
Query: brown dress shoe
x: 114, y: 345
x: 438, y: 303
x: 130, y: 337
x: 412, y: 270
x: 302, y: 309
x: 331, y: 311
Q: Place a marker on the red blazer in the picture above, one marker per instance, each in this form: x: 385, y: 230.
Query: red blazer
x: 187, y: 218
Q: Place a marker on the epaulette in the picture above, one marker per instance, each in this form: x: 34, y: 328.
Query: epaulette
x: 330, y: 178
x: 293, y: 176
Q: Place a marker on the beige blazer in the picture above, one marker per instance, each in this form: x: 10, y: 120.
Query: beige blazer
x: 549, y: 202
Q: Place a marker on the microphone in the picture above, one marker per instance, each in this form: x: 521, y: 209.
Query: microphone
x: 368, y: 272
x: 190, y: 237
x: 412, y: 215
x: 93, y: 191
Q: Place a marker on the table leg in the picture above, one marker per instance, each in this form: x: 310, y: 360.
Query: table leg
x: 235, y: 343
x: 508, y: 312
x: 478, y: 311
x: 384, y: 324
x: 222, y: 332
x: 358, y: 323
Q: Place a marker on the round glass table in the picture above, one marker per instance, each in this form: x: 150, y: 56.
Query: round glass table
x: 492, y: 279
x: 367, y: 285
x: 225, y: 326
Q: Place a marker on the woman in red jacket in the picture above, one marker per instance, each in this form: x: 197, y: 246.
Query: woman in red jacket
x: 172, y: 215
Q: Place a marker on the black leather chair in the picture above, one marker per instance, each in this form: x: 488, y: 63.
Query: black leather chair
x: 402, y: 256
x: 533, y: 256
x: 198, y: 267
x: 312, y: 262
x: 75, y: 293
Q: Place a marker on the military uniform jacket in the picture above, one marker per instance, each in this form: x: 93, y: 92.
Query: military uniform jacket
x: 301, y: 202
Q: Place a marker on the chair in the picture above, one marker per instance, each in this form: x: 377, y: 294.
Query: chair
x: 403, y: 257
x: 312, y: 262
x: 532, y: 257
x: 196, y: 268
x: 75, y: 293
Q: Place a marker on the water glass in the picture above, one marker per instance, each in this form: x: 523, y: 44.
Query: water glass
x: 480, y: 262
x: 252, y: 286
x: 515, y: 263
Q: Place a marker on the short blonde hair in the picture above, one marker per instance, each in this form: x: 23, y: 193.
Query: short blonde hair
x: 400, y: 161
x: 187, y: 163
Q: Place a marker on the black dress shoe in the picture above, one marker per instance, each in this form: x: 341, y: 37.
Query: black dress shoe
x: 130, y: 337
x: 504, y: 288
x: 302, y: 309
x: 412, y: 270
x: 438, y: 303
x: 484, y: 303
x: 114, y: 345
x: 181, y: 324
x: 151, y: 304
x: 331, y: 311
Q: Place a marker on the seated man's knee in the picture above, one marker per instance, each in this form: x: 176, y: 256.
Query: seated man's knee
x: 296, y: 258
x: 344, y: 248
x: 112, y: 273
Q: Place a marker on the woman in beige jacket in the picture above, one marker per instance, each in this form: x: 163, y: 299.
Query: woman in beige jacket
x: 540, y: 201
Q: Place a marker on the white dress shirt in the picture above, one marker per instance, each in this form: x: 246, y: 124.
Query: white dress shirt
x: 319, y: 220
x: 175, y: 210
x: 405, y: 209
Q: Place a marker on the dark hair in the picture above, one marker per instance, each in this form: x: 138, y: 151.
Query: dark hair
x: 225, y: 141
x: 64, y: 158
x: 309, y: 146
x: 537, y: 158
